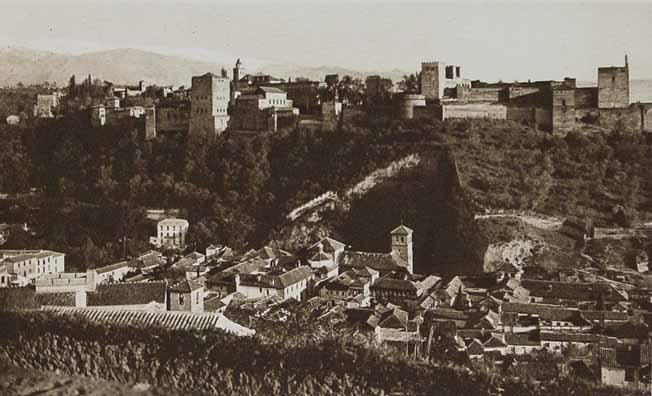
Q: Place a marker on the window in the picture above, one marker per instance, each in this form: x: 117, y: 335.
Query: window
x: 630, y: 374
x: 449, y: 72
x: 181, y: 298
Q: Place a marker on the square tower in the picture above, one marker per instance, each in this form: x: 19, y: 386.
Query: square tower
x: 402, y: 245
x: 429, y: 81
x: 209, y: 103
x: 613, y: 87
x: 438, y: 77
x: 563, y: 109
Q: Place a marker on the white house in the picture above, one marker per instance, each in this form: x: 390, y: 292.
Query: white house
x: 32, y: 264
x: 113, y: 273
x: 171, y: 233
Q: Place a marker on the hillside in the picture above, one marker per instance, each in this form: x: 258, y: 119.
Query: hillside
x: 318, y: 73
x: 119, y: 66
x: 601, y: 177
x: 127, y: 65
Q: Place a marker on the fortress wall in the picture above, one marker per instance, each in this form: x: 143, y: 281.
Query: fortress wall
x: 493, y: 111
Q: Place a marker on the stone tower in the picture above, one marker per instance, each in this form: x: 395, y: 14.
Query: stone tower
x: 402, y: 245
x: 429, y: 81
x: 238, y: 73
x: 613, y: 86
x: 209, y: 104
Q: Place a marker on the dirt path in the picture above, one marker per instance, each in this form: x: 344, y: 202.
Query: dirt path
x: 538, y: 221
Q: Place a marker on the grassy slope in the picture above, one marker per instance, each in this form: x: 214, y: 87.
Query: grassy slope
x: 509, y: 166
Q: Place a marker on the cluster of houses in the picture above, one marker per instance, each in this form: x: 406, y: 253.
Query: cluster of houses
x: 244, y: 102
x: 598, y: 323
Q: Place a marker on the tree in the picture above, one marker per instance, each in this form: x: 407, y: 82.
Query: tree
x: 410, y: 83
x: 351, y: 90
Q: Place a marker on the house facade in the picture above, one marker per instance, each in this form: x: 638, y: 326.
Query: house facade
x: 32, y: 264
x: 171, y: 233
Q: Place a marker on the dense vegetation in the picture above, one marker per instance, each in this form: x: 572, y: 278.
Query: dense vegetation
x: 508, y: 166
x: 236, y: 190
x: 233, y: 189
x: 294, y: 361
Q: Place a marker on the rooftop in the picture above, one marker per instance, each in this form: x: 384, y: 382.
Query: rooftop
x: 185, y: 286
x: 112, y: 267
x: 280, y: 281
x: 382, y: 262
x: 330, y: 245
x: 402, y: 230
x: 394, y: 284
x: 171, y: 320
x: 173, y: 221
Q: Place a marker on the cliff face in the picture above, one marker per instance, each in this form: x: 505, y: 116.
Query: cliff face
x: 426, y: 197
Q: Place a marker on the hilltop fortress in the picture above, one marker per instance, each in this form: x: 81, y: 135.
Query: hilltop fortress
x: 255, y: 103
x: 557, y: 106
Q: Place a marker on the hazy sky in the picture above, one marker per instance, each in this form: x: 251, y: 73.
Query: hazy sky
x: 507, y: 40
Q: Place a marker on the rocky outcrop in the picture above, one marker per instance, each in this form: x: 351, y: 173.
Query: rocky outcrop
x: 519, y: 251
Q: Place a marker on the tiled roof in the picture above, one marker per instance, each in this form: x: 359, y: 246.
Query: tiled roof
x: 146, y: 259
x: 173, y: 221
x: 383, y: 262
x: 280, y: 281
x: 344, y: 281
x: 552, y: 311
x: 570, y: 337
x: 186, y: 286
x: 295, y: 275
x: 428, y: 282
x: 402, y: 230
x: 127, y: 294
x: 394, y: 284
x: 330, y: 245
x: 33, y: 255
x: 173, y: 320
x: 112, y: 267
x: 320, y: 256
x: 575, y: 291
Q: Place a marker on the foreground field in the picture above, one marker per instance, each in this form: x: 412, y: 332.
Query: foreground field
x: 19, y: 381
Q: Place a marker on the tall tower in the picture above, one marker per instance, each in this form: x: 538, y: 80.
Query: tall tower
x: 430, y: 84
x: 402, y: 245
x: 613, y: 86
x: 238, y: 73
x: 209, y: 102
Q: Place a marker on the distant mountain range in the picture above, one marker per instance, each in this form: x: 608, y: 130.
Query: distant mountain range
x: 128, y: 66
x: 119, y: 66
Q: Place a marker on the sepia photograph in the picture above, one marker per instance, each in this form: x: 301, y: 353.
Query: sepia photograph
x: 325, y: 197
